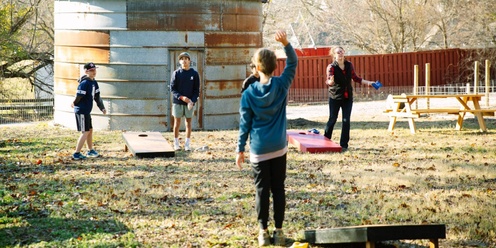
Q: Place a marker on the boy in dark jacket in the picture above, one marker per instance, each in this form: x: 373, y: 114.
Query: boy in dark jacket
x: 87, y: 91
x: 185, y: 88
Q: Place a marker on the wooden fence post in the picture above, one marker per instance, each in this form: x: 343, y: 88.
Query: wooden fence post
x: 415, y: 82
x: 488, y: 80
x: 428, y: 82
x: 476, y: 77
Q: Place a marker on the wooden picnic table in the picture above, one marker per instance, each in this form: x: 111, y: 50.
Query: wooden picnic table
x: 403, y: 106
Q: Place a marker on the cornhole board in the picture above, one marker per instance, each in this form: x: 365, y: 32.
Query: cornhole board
x: 311, y: 142
x: 147, y: 144
x: 370, y: 234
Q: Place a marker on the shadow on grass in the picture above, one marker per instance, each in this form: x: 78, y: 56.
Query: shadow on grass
x: 32, y: 231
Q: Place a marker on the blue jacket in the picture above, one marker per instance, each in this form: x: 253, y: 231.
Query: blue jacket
x: 185, y: 83
x: 263, y: 111
x: 87, y: 91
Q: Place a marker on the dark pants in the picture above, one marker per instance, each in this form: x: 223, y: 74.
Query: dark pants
x: 269, y: 177
x: 334, y: 106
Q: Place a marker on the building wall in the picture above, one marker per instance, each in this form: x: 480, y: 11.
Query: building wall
x: 135, y: 44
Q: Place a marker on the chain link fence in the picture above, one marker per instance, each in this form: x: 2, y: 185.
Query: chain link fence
x: 25, y: 110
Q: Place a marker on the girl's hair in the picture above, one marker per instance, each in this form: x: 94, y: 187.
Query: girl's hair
x: 333, y: 50
x: 266, y: 59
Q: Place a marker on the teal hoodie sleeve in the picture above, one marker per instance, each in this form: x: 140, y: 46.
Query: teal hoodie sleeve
x: 245, y: 121
x: 289, y: 72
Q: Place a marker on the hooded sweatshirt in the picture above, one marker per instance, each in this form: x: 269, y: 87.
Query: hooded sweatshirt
x: 263, y: 111
x: 87, y: 91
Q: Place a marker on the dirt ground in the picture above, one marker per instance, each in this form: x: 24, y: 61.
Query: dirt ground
x: 373, y: 110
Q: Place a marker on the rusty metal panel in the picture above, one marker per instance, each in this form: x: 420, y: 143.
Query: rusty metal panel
x: 247, y: 23
x: 125, y: 73
x: 233, y: 39
x: 163, y: 21
x: 134, y: 90
x: 139, y: 56
x: 181, y: 7
x: 222, y: 122
x: 139, y: 122
x: 90, y: 21
x: 232, y: 56
x: 201, y: 15
x: 222, y: 89
x: 225, y: 72
x: 82, y: 38
x: 156, y: 39
x: 243, y: 7
x: 66, y: 70
x: 65, y: 86
x: 221, y: 106
x: 82, y: 54
x: 138, y: 106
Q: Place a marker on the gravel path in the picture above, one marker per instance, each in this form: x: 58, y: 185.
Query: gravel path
x: 373, y: 110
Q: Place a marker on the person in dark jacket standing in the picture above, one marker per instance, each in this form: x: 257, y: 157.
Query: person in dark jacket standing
x: 340, y: 73
x: 185, y: 88
x: 87, y: 91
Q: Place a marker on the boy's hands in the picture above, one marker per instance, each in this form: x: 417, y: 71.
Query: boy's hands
x: 282, y: 37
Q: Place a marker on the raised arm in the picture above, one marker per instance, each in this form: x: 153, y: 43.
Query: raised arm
x: 291, y: 61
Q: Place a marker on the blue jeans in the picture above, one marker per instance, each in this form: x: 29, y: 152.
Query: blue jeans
x: 334, y: 106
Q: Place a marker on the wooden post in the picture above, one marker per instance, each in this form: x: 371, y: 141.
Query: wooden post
x: 415, y: 82
x: 488, y: 80
x: 428, y: 82
x: 476, y: 76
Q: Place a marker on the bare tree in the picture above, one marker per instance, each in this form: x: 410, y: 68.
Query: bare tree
x: 26, y: 40
x: 386, y: 26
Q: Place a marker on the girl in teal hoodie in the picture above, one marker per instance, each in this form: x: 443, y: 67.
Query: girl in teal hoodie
x: 263, y: 119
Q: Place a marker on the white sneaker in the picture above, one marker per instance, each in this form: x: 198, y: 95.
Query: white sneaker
x: 186, y: 146
x: 176, y: 146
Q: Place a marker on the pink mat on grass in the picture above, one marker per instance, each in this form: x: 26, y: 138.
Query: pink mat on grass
x: 312, y: 143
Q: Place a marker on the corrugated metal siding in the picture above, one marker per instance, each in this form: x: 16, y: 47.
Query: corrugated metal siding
x: 132, y: 43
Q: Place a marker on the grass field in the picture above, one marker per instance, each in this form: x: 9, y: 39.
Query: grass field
x: 200, y: 199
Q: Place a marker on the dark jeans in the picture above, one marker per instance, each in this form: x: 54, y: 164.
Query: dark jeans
x: 334, y: 106
x: 269, y: 177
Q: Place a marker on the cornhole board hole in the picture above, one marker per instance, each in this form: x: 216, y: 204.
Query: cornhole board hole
x: 370, y: 234
x: 311, y: 142
x: 147, y: 144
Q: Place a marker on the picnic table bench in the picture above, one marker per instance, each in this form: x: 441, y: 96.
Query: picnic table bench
x: 401, y: 106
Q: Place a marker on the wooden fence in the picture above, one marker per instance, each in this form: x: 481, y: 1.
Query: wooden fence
x: 395, y: 71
